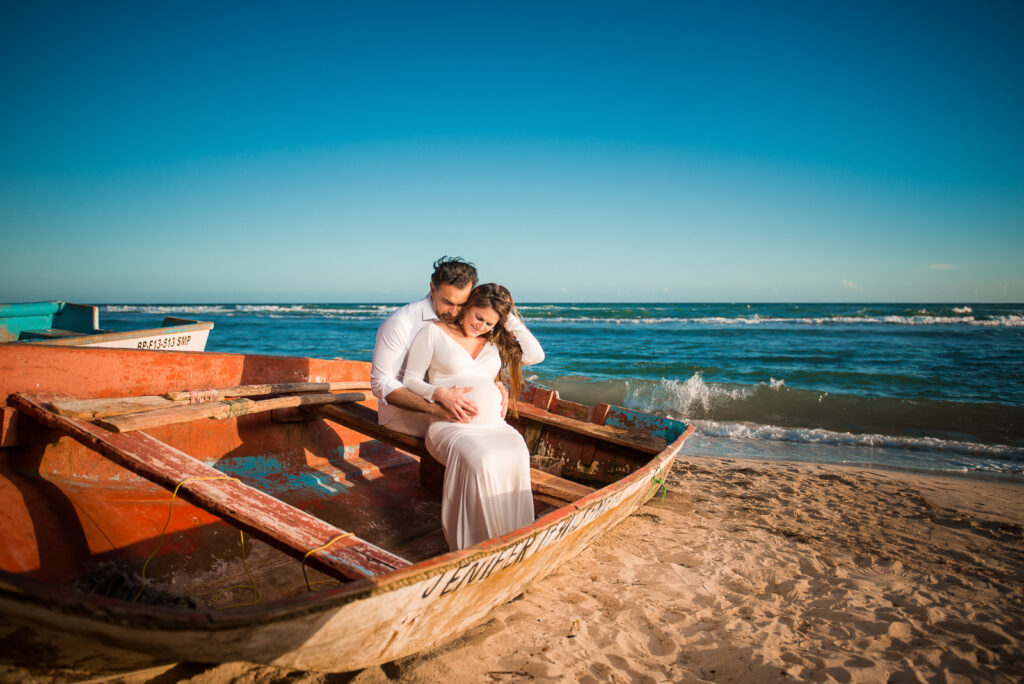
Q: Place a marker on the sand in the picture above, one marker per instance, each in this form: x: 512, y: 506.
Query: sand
x: 753, y: 571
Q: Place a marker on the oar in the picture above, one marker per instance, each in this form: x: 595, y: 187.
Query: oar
x: 115, y: 406
x: 220, y: 410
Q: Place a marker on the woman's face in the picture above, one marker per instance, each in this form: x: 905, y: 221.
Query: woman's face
x: 479, y: 320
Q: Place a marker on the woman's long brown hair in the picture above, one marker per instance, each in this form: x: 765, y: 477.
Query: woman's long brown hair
x: 498, y: 297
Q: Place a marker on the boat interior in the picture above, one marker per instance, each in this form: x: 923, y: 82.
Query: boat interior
x: 222, y: 500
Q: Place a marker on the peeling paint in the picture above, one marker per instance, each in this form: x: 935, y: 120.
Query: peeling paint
x: 270, y: 474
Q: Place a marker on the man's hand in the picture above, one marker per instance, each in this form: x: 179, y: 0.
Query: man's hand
x: 460, y: 409
x: 504, y: 397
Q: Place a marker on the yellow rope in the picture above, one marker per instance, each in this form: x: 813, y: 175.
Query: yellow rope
x: 163, y: 532
x: 252, y: 585
x: 309, y: 587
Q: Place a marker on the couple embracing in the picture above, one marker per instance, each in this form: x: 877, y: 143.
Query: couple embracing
x: 446, y: 368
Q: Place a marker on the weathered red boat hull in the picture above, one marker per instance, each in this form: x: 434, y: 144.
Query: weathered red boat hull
x: 64, y: 507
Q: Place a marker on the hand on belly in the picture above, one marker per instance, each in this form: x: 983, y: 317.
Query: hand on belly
x: 486, y: 395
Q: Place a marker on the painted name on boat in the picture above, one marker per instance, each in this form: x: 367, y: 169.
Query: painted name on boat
x: 480, y: 569
x: 165, y: 342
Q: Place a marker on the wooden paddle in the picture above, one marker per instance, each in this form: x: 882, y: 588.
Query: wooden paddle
x: 115, y: 406
x: 221, y: 409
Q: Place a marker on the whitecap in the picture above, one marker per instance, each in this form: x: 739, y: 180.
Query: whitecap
x: 754, y: 431
x: 682, y: 398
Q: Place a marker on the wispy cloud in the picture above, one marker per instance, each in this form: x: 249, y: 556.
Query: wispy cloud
x: 850, y: 284
x: 942, y: 267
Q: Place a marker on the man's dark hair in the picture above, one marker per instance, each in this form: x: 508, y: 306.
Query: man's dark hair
x: 453, y: 271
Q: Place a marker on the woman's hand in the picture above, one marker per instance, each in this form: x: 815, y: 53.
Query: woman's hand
x: 460, y: 409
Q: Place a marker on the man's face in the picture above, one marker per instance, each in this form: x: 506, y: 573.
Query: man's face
x: 448, y: 300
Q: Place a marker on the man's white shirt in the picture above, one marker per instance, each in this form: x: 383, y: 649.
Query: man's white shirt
x: 394, y: 337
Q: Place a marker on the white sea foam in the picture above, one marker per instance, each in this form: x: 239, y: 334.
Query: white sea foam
x: 615, y: 321
x: 753, y: 431
x: 1009, y: 320
x: 376, y: 311
x: 169, y: 309
x: 351, y: 312
x: 270, y: 308
x: 341, y: 312
x: 692, y: 395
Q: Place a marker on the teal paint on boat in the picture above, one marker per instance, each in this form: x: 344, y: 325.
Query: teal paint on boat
x: 18, y: 319
x: 29, y: 309
x: 44, y: 320
x: 668, y: 429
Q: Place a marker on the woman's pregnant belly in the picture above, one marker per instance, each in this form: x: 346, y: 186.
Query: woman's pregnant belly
x: 484, y: 394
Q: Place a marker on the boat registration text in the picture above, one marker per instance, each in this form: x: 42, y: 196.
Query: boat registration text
x: 169, y: 342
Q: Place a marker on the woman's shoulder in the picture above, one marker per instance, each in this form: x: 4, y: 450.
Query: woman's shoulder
x: 437, y: 329
x: 433, y: 331
x: 427, y: 332
x: 440, y: 328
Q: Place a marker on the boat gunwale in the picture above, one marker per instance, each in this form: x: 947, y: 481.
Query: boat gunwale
x: 88, y: 339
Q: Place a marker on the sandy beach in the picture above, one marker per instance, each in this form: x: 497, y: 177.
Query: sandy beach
x: 750, y: 571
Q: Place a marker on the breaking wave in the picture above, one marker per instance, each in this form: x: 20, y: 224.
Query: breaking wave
x: 335, y: 311
x: 712, y: 428
x: 772, y: 412
x: 1009, y: 320
x: 618, y: 315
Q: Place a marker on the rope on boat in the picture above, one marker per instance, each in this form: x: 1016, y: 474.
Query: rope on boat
x: 257, y: 597
x: 658, y: 479
x: 163, y: 532
x: 202, y: 396
x: 309, y: 586
x: 238, y: 407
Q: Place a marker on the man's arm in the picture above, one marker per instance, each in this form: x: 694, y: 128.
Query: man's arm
x: 407, y: 399
x: 393, y: 339
x: 389, y: 355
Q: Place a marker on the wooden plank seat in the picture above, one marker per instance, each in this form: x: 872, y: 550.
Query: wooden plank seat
x: 291, y: 530
x: 548, y: 488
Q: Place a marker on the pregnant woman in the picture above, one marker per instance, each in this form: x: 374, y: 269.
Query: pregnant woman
x: 487, y: 478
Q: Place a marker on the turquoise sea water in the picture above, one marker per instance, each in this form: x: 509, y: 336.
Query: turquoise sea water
x: 937, y: 387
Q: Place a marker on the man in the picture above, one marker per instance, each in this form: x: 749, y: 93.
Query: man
x: 399, y: 408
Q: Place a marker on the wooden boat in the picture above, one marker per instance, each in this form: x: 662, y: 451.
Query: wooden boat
x: 64, y: 324
x: 290, y: 530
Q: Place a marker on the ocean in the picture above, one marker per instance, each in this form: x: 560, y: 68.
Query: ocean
x: 928, y: 387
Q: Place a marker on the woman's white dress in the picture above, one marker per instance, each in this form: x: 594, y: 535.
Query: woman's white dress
x: 487, y: 476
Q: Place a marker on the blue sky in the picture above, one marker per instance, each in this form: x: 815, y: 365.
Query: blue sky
x: 626, y: 151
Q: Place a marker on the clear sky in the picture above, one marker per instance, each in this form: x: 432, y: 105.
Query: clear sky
x: 594, y: 151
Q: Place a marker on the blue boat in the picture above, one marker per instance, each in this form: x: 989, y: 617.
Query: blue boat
x: 77, y: 325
